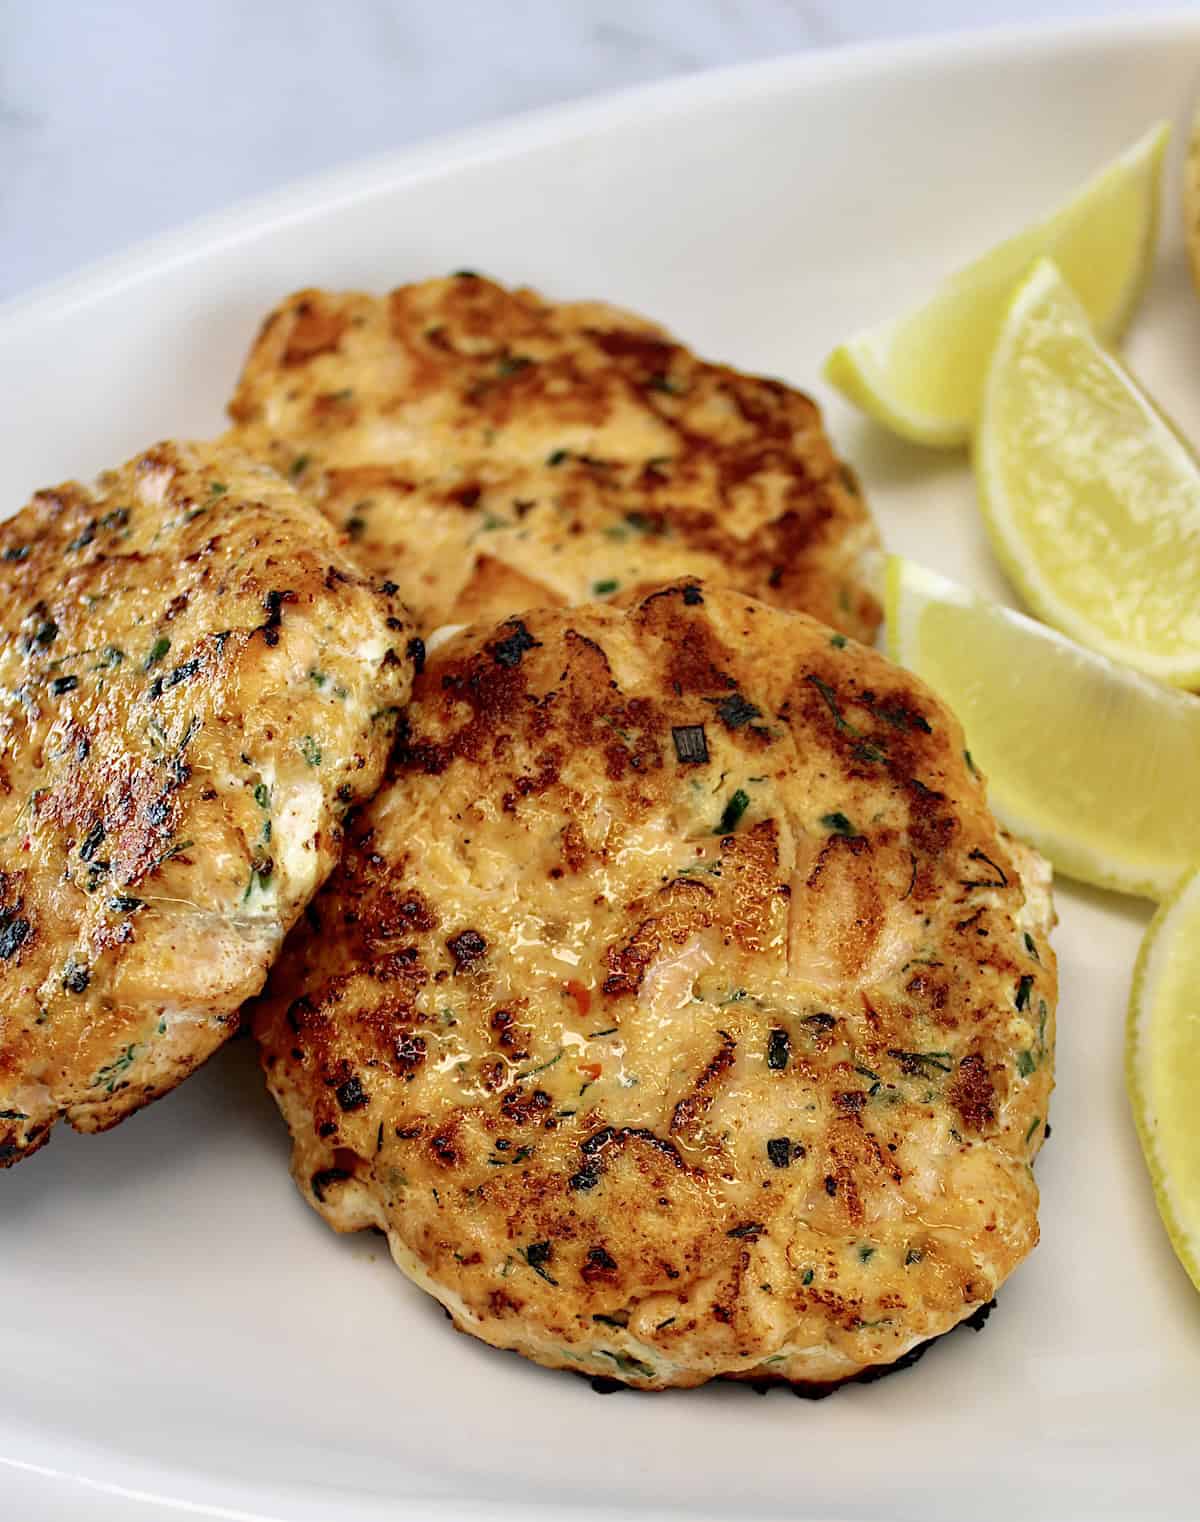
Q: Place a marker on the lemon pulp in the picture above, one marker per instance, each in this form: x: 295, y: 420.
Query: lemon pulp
x: 922, y: 374
x: 1089, y: 761
x: 1163, y: 1065
x: 1091, y: 498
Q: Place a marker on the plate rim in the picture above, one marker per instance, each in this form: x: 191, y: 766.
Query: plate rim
x: 509, y: 135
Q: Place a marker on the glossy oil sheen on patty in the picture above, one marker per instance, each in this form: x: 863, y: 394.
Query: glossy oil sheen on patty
x: 491, y: 451
x: 196, y: 684
x: 678, y: 1009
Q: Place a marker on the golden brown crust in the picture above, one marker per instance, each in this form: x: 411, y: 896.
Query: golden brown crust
x: 677, y: 1009
x: 456, y: 429
x: 193, y: 677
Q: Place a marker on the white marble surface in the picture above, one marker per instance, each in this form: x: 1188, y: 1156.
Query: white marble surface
x: 121, y: 119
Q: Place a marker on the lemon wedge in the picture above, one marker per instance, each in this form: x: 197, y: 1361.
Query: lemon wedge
x: 1091, y: 498
x: 1092, y: 763
x: 1162, y: 1065
x: 921, y: 375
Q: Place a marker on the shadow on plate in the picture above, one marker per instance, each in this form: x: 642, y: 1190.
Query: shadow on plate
x: 888, y: 463
x: 227, y: 1100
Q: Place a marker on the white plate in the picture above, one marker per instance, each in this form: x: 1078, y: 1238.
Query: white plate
x: 177, y: 1328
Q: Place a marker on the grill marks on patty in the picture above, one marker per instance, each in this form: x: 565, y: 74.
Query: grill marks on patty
x: 669, y: 1008
x: 490, y: 450
x: 201, y: 687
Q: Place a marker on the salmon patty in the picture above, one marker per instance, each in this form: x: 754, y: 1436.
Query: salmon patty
x: 489, y: 451
x: 197, y: 684
x: 677, y: 1009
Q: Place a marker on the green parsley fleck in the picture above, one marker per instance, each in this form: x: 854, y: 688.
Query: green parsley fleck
x: 779, y: 1050
x: 76, y: 976
x: 537, y: 1255
x: 542, y: 1066
x: 174, y: 849
x: 260, y: 875
x: 708, y: 868
x: 628, y: 1364
x: 604, y: 588
x: 157, y: 650
x: 110, y: 1075
x: 831, y: 702
x: 310, y: 750
x: 779, y: 1151
x: 918, y: 1064
x: 738, y: 803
